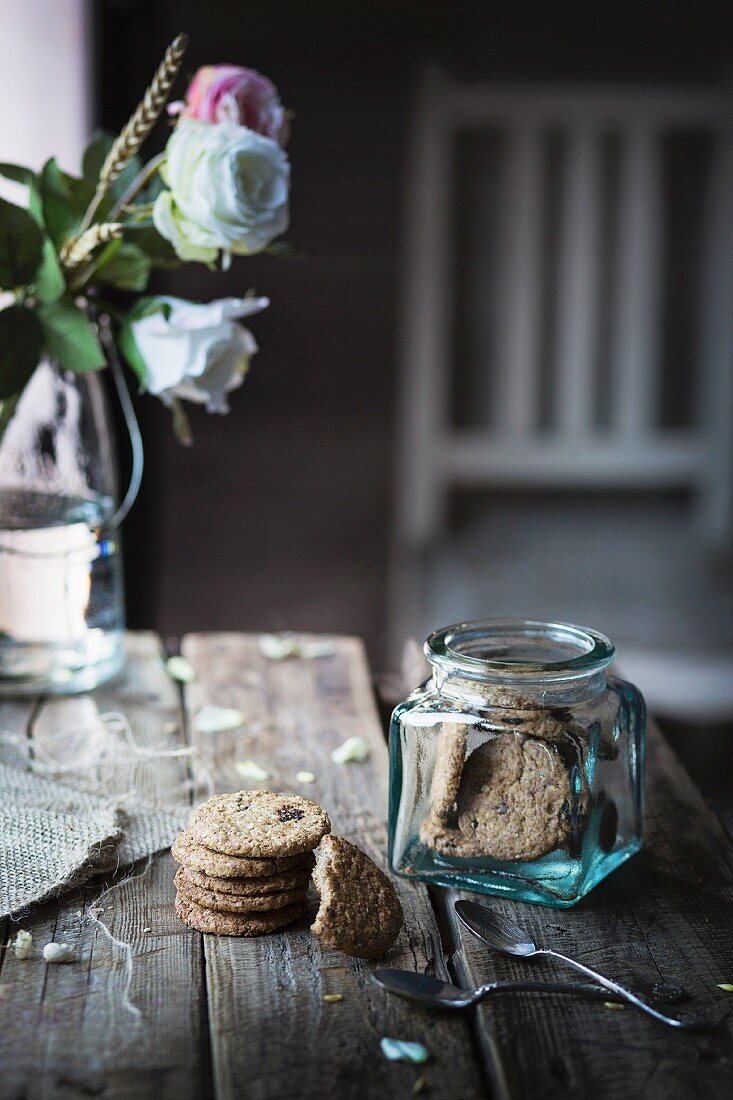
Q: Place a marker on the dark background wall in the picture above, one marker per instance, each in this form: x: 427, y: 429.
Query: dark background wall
x: 279, y: 516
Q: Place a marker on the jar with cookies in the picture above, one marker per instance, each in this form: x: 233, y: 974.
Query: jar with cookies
x: 517, y: 768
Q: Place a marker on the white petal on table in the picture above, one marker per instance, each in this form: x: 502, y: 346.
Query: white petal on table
x: 250, y: 769
x: 215, y: 719
x: 352, y: 750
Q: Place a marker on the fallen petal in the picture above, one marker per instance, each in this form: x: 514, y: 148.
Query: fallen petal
x: 353, y: 750
x: 279, y: 647
x: 58, y: 953
x: 214, y: 719
x: 249, y: 769
x: 179, y: 669
x: 22, y: 944
x: 400, y: 1050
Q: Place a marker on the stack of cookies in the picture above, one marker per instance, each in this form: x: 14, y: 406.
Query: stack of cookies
x: 246, y: 860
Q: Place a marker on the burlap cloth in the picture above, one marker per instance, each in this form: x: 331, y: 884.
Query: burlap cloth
x: 53, y: 838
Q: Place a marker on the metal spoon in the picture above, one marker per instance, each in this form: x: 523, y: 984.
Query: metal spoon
x: 503, y: 935
x: 436, y: 994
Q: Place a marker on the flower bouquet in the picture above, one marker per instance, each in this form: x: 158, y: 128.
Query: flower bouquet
x: 219, y: 189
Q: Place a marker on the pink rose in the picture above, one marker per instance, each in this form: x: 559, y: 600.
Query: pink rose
x: 229, y: 93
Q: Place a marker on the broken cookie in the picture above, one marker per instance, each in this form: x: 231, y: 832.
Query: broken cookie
x: 359, y: 913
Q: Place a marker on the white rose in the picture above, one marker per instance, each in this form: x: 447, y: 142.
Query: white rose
x: 229, y: 190
x: 186, y: 350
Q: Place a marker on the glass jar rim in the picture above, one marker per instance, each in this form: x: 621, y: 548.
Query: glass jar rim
x: 446, y: 650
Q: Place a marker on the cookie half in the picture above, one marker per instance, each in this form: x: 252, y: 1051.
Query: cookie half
x: 196, y: 857
x: 236, y: 924
x: 359, y: 913
x: 259, y: 824
x: 232, y: 903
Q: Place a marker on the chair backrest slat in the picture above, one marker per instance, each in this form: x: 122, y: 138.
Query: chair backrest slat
x: 578, y: 283
x: 636, y: 318
x: 519, y: 307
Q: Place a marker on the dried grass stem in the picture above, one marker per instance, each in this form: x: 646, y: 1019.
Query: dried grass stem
x: 77, y: 250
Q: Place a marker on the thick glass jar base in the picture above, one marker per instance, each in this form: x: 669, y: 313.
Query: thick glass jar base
x: 61, y: 670
x: 557, y: 880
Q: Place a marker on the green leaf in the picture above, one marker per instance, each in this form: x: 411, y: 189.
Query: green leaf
x: 128, y: 347
x: 69, y: 338
x: 146, y: 307
x: 21, y: 341
x: 150, y: 192
x: 49, y: 280
x: 159, y: 251
x: 94, y: 157
x: 62, y: 210
x: 21, y: 245
x: 103, y: 258
x: 50, y: 283
x: 17, y: 173
x: 128, y: 269
x: 30, y: 180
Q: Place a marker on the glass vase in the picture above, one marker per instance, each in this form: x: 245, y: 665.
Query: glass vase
x: 62, y: 614
x: 517, y: 769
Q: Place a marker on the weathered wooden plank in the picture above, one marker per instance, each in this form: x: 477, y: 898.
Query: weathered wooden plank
x: 272, y: 1035
x: 665, y: 915
x: 64, y: 1030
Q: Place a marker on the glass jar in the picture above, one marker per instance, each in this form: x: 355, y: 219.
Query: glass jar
x: 517, y: 768
x: 61, y: 596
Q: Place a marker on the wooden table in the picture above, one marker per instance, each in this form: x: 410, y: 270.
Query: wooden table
x: 234, y: 1017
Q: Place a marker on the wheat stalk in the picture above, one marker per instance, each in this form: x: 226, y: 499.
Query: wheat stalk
x: 138, y: 127
x: 78, y: 249
x: 146, y: 115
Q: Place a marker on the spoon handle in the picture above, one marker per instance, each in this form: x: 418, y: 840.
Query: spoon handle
x: 528, y: 986
x: 621, y: 991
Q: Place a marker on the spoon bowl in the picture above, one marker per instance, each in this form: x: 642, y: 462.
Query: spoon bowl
x: 495, y: 929
x: 425, y: 989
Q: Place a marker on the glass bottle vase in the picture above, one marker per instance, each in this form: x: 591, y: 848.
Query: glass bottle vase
x: 61, y: 595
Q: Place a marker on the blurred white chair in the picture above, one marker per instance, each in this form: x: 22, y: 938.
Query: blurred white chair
x: 545, y: 336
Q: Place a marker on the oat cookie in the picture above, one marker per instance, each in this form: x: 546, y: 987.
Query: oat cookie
x: 298, y: 878
x: 195, y: 857
x: 359, y: 912
x: 513, y: 803
x: 237, y: 924
x: 450, y: 755
x: 259, y: 823
x: 233, y: 903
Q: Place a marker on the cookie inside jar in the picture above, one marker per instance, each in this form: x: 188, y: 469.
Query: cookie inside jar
x: 509, y: 787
